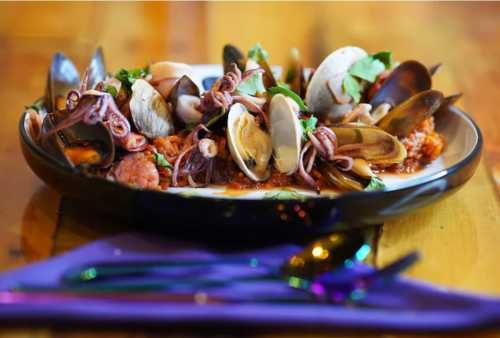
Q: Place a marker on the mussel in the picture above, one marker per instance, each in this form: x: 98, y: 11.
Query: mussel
x: 406, y: 80
x: 80, y: 145
x: 294, y: 76
x: 369, y: 143
x: 62, y: 77
x: 325, y: 95
x: 149, y: 111
x: 250, y: 146
x: 339, y: 179
x: 402, y: 119
x: 96, y: 71
x: 232, y: 54
x: 286, y: 133
x: 185, y: 100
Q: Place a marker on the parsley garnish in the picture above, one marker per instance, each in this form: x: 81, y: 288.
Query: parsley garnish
x: 352, y: 87
x: 284, y: 194
x: 252, y: 85
x: 257, y: 53
x: 128, y: 77
x: 367, y: 68
x: 161, y: 161
x: 375, y: 184
x: 280, y: 89
x: 111, y: 90
x: 308, y: 126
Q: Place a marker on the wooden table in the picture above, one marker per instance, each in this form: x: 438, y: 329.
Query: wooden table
x: 458, y: 237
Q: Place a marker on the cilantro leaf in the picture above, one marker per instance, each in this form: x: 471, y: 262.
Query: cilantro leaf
x: 284, y: 194
x: 257, y: 53
x: 161, y: 161
x: 280, y: 89
x: 368, y: 68
x: 252, y: 85
x: 128, y: 77
x: 352, y: 87
x: 385, y: 57
x: 111, y: 89
x: 375, y: 184
x: 308, y: 126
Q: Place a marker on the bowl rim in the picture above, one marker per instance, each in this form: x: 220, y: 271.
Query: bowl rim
x: 425, y: 180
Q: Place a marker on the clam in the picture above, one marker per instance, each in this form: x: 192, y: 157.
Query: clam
x: 232, y: 54
x: 286, y: 133
x: 402, y: 119
x: 250, y: 146
x: 369, y: 143
x: 63, y: 76
x: 325, y: 95
x: 406, y: 80
x: 185, y: 100
x: 149, y: 110
x: 165, y: 74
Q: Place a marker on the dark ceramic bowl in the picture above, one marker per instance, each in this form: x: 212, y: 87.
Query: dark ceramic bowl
x: 208, y: 211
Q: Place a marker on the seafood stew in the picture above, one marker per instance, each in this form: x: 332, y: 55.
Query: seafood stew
x: 340, y: 127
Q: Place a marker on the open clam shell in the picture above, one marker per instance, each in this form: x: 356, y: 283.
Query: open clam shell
x: 149, y: 110
x: 286, y: 134
x: 250, y: 146
x: 325, y: 96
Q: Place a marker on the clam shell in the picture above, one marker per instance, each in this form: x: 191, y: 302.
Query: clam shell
x: 324, y: 91
x: 286, y: 134
x: 149, y: 111
x: 256, y: 169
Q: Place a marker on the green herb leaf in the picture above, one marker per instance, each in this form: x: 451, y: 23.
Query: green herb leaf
x: 284, y: 194
x: 252, y: 85
x: 257, y: 53
x: 375, y: 184
x: 368, y: 68
x: 161, y: 161
x: 280, y: 89
x: 308, y: 126
x: 352, y: 87
x: 385, y: 57
x: 111, y: 89
x: 128, y: 77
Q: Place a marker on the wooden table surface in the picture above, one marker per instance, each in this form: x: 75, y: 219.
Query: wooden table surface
x: 458, y: 237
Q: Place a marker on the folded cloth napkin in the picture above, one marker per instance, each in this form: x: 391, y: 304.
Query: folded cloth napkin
x: 398, y: 304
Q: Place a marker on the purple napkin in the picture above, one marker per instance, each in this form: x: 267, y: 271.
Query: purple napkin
x: 398, y: 304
